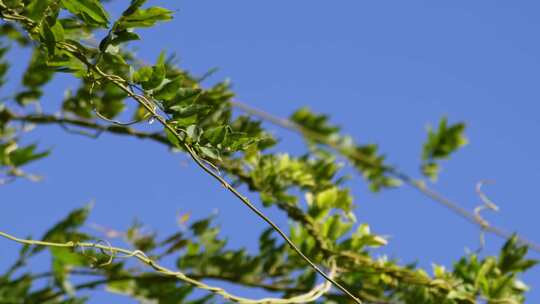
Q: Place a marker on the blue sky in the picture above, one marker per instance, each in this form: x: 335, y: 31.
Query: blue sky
x: 383, y: 70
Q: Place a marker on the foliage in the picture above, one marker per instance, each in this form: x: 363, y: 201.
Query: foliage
x: 308, y: 188
x: 440, y: 144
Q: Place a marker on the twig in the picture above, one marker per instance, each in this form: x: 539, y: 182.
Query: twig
x: 51, y: 119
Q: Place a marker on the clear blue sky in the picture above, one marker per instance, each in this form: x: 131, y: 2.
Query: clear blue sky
x: 381, y: 69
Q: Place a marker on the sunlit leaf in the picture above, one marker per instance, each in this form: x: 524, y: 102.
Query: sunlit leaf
x: 90, y: 11
x: 143, y: 17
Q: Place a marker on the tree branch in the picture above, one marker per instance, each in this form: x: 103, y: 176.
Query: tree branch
x: 113, y: 129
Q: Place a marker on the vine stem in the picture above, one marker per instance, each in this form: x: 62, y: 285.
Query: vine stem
x: 419, y: 186
x: 63, y: 121
x: 309, y: 296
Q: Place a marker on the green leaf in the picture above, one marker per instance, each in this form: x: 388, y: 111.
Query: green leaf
x: 216, y: 136
x: 169, y: 90
x: 333, y: 197
x: 149, y: 77
x: 430, y: 170
x: 193, y: 133
x: 173, y: 139
x: 440, y: 144
x: 447, y: 139
x: 327, y: 198
x: 209, y: 152
x: 363, y: 237
x: 66, y: 256
x: 236, y: 141
x: 51, y: 34
x: 126, y: 287
x: 158, y: 74
x: 201, y: 226
x: 142, y: 75
x: 512, y: 257
x: 186, y: 121
x: 334, y: 227
x: 187, y: 93
x: 36, y: 9
x: 124, y: 36
x: 91, y: 11
x: 189, y: 110
x: 58, y: 31
x: 23, y: 156
x: 67, y: 64
x: 144, y: 18
x: 313, y: 122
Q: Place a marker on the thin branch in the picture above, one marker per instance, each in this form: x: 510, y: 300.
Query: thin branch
x: 309, y: 296
x: 63, y: 121
x: 420, y: 186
